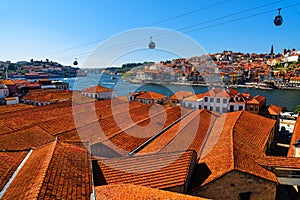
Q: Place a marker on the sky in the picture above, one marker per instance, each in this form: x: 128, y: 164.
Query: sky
x: 64, y: 30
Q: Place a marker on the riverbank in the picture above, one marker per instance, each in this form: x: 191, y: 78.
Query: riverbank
x: 247, y: 86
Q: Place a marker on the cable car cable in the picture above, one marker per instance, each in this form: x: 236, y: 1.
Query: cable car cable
x: 218, y: 24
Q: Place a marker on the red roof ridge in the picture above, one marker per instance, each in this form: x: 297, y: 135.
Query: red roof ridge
x: 37, y: 184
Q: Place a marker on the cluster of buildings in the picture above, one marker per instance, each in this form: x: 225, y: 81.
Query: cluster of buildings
x: 13, y: 91
x: 37, y: 70
x: 234, y: 68
x: 130, y: 148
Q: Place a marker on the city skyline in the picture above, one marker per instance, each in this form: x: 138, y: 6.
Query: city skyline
x: 63, y: 31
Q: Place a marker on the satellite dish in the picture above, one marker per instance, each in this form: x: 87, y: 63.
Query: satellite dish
x: 151, y: 44
x: 75, y: 62
x: 278, y: 19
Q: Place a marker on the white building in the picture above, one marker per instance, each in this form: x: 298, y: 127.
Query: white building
x: 218, y: 100
x: 11, y: 100
x: 193, y: 101
x: 4, y: 92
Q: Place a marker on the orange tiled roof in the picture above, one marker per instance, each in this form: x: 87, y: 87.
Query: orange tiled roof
x: 180, y: 95
x: 10, y: 160
x: 48, y: 95
x: 274, y: 110
x: 134, y: 192
x: 8, y: 82
x: 13, y: 108
x: 194, y: 97
x: 128, y: 138
x: 240, y: 142
x: 217, y: 92
x: 24, y: 139
x: 164, y: 170
x: 295, y: 138
x: 97, y: 89
x: 278, y: 161
x: 56, y: 170
x: 151, y: 95
x: 257, y: 99
x: 188, y: 134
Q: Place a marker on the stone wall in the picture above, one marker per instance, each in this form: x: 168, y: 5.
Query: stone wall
x: 230, y: 185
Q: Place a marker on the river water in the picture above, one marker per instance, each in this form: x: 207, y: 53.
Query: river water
x: 283, y: 98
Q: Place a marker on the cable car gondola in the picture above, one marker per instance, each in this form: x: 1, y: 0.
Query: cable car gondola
x: 151, y: 44
x: 75, y: 62
x: 278, y: 19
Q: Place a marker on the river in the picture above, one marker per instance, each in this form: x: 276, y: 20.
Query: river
x: 283, y: 98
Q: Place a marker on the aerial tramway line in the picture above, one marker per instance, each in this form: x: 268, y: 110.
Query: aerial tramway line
x: 278, y: 20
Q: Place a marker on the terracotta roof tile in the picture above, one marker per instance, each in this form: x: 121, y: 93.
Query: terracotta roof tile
x: 10, y: 160
x: 278, y: 161
x: 217, y: 92
x: 32, y: 173
x: 56, y: 170
x: 186, y: 134
x: 274, y: 110
x: 295, y: 138
x: 132, y: 192
x: 5, y: 109
x: 97, y: 89
x: 127, y: 139
x: 240, y: 143
x: 151, y: 95
x: 25, y: 139
x: 164, y: 170
x: 180, y: 95
x: 48, y: 95
x: 257, y: 99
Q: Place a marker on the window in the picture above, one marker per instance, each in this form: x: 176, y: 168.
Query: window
x: 231, y: 108
x: 240, y: 107
x: 245, y: 196
x: 205, y: 99
x: 218, y: 100
x: 224, y: 100
x: 217, y: 109
x: 211, y: 108
x: 251, y: 107
x: 211, y: 100
x: 205, y: 107
x: 224, y: 110
x: 200, y: 106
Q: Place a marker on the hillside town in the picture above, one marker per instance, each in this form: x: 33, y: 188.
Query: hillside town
x: 266, y: 71
x: 35, y: 69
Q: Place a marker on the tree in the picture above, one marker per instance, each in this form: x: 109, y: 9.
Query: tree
x: 31, y: 60
x: 297, y: 110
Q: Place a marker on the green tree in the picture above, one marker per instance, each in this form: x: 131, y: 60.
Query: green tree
x: 297, y: 110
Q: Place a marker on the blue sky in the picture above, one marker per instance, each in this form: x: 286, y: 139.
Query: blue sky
x: 38, y: 29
